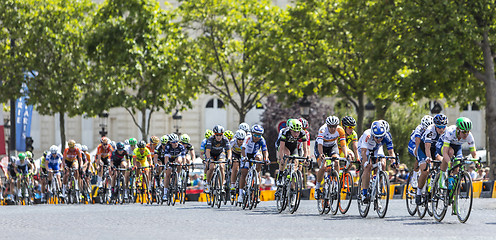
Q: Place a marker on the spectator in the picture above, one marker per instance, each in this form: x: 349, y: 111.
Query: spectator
x: 194, y: 182
x: 393, y: 175
x: 402, y: 176
x: 472, y: 172
x: 481, y: 174
x: 310, y: 180
x: 486, y: 171
x: 268, y: 182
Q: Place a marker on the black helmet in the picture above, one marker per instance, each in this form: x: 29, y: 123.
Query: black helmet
x: 141, y: 144
x: 348, y: 121
x: 218, y: 129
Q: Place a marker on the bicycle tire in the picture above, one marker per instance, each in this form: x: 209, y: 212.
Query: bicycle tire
x: 175, y: 186
x: 218, y: 189
x: 227, y: 189
x: 430, y: 184
x: 463, y: 191
x: 295, y: 194
x: 347, y: 190
x: 322, y: 202
x: 253, y: 190
x: 335, y: 190
x: 279, y: 197
x: 184, y: 186
x: 410, y: 193
x: 363, y: 208
x: 422, y: 208
x: 439, y: 200
x: 382, y: 199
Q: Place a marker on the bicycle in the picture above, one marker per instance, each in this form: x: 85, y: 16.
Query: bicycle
x: 73, y: 195
x: 142, y: 188
x: 132, y: 196
x: 459, y: 193
x: 26, y: 190
x: 252, y: 185
x: 183, y: 182
x: 86, y: 187
x: 233, y: 197
x: 289, y: 193
x: 330, y: 196
x: 227, y: 181
x: 378, y: 189
x: 216, y: 191
x: 104, y: 193
x: 54, y: 192
x: 423, y: 207
x: 119, y: 186
x: 158, y: 184
x: 346, y: 183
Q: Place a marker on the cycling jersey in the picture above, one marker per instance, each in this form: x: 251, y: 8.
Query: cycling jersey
x: 86, y: 157
x: 117, y: 157
x: 217, y: 147
x: 22, y: 167
x: 203, y: 145
x: 367, y: 141
x: 71, y: 154
x: 142, y: 157
x: 235, y: 147
x: 328, y: 139
x: 104, y: 150
x: 430, y: 135
x: 290, y: 141
x: 160, y: 151
x: 151, y: 147
x: 417, y: 133
x: 252, y: 148
x: 188, y: 147
x: 450, y: 139
x: 54, y: 161
x: 173, y: 153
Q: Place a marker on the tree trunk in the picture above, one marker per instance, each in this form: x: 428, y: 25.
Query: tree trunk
x: 491, y: 125
x: 62, y: 130
x: 242, y: 115
x: 144, y: 134
x: 360, y: 112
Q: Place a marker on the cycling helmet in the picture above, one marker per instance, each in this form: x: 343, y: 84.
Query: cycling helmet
x: 229, y: 134
x: 78, y: 145
x: 45, y: 154
x: 426, y: 121
x: 240, y: 135
x: 304, y: 123
x: 126, y: 142
x: 288, y: 122
x: 54, y: 149
x: 295, y: 125
x: 173, y: 138
x: 208, y: 133
x: 332, y: 120
x: 112, y: 143
x: 385, y: 124
x: 441, y: 120
x: 21, y: 156
x: 185, y: 138
x: 348, y: 121
x: 464, y: 123
x: 133, y: 141
x: 71, y: 143
x: 257, y: 129
x: 154, y: 140
x: 84, y: 148
x: 104, y: 140
x: 377, y: 129
x: 120, y: 146
x: 164, y: 139
x: 218, y: 129
x: 29, y: 154
x: 244, y: 126
x: 141, y: 144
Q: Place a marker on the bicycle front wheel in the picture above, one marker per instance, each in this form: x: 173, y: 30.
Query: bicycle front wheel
x: 335, y: 195
x: 440, y: 200
x: 464, y: 195
x: 410, y: 192
x: 363, y: 208
x: 346, y: 193
x: 295, y: 192
x: 218, y: 190
x: 382, y: 200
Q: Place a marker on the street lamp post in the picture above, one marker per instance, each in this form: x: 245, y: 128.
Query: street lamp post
x: 177, y: 117
x: 103, y: 123
x: 305, y: 107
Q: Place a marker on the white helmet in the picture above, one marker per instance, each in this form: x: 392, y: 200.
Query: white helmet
x: 427, y: 120
x: 240, y: 134
x: 332, y: 120
x: 54, y: 149
x: 84, y: 148
x: 245, y: 127
x: 385, y: 124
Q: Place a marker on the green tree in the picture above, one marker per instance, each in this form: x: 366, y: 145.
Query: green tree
x: 55, y: 50
x: 231, y: 51
x: 135, y: 47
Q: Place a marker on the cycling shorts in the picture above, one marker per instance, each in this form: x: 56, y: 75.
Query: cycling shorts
x: 328, y: 151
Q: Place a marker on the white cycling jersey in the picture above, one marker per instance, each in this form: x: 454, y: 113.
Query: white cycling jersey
x: 430, y: 135
x: 329, y: 140
x: 418, y: 132
x: 449, y: 137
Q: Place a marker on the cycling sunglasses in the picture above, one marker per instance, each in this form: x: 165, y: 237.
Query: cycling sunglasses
x: 219, y: 134
x: 332, y: 126
x: 257, y: 135
x: 350, y: 127
x: 439, y: 126
x: 464, y: 131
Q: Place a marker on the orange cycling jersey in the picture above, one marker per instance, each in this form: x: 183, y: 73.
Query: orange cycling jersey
x: 104, y: 150
x: 72, y: 154
x: 151, y: 147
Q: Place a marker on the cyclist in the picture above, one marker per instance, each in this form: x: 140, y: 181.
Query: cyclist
x: 120, y: 159
x: 190, y: 150
x: 427, y: 151
x: 208, y: 134
x: 103, y: 152
x: 130, y: 149
x: 414, y: 143
x: 72, y: 159
x: 236, y: 147
x: 22, y: 166
x: 142, y: 158
x: 216, y: 149
x: 12, y: 177
x: 86, y: 161
x: 34, y: 173
x: 330, y: 136
x: 54, y: 160
x: 450, y: 144
x: 304, y: 125
x: 174, y: 153
x: 229, y: 135
x: 370, y: 144
x: 348, y: 123
x: 154, y: 141
x: 287, y: 142
x: 255, y: 148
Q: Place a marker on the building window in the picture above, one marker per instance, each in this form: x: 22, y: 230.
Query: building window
x: 210, y: 104
x: 475, y: 107
x: 220, y: 103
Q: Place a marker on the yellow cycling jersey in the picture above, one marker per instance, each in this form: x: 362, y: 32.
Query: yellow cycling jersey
x: 353, y: 137
x: 142, y: 157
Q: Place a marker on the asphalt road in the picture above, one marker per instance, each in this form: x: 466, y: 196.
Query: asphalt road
x: 196, y: 220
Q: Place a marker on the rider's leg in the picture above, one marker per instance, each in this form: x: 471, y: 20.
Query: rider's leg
x: 234, y: 173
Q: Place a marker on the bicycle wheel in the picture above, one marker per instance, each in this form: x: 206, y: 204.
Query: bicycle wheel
x: 363, y: 208
x: 382, y: 200
x: 346, y: 193
x: 218, y: 189
x: 184, y: 185
x: 176, y: 192
x: 158, y: 190
x: 410, y: 192
x: 422, y: 208
x: 121, y: 188
x: 107, y: 190
x: 334, y: 196
x: 440, y: 200
x: 464, y: 195
x: 227, y: 188
x: 323, y: 200
x: 296, y: 186
x: 254, y: 191
x: 279, y: 197
x: 430, y: 183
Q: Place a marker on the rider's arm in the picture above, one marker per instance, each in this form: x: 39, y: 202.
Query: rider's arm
x: 192, y: 154
x: 417, y: 143
x: 428, y: 153
x: 207, y: 153
x: 445, y: 150
x: 282, y: 145
x: 354, y: 145
x: 229, y: 154
x: 243, y: 151
x: 321, y: 150
x: 392, y: 154
x: 364, y: 155
x: 265, y: 155
x: 305, y: 149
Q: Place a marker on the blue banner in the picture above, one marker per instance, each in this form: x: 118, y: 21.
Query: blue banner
x: 23, y: 117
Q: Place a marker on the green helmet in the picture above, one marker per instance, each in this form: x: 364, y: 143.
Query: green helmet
x: 208, y: 133
x: 295, y: 125
x: 288, y: 122
x: 133, y: 141
x: 185, y: 138
x: 164, y: 139
x: 22, y: 156
x: 29, y: 154
x: 464, y: 123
